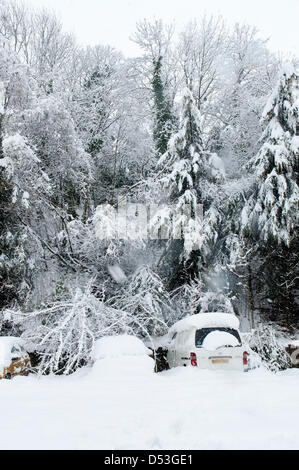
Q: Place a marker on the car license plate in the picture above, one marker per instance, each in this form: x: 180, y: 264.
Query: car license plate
x: 219, y: 361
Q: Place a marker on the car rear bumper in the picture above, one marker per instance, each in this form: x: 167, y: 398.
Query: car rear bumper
x: 220, y: 363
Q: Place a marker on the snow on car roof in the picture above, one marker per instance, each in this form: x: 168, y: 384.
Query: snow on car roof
x: 207, y: 320
x: 119, y: 345
x: 6, y: 343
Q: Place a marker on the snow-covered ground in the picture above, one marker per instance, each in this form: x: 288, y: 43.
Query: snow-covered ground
x: 114, y: 406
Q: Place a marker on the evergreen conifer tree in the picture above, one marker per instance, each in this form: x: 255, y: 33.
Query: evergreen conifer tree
x: 271, y: 213
x: 187, y: 171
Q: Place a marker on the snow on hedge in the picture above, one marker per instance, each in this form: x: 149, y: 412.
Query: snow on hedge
x: 207, y: 320
x: 116, y: 346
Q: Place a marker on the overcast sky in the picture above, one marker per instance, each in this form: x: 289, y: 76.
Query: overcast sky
x: 113, y: 21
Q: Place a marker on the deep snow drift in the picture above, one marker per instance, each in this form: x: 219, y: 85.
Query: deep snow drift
x: 120, y: 405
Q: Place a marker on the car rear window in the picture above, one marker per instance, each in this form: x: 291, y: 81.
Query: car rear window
x: 201, y: 334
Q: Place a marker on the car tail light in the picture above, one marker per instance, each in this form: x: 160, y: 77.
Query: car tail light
x: 193, y: 359
x: 245, y: 358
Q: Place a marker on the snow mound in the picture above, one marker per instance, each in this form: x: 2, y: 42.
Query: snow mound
x: 216, y: 339
x: 117, y: 346
x: 207, y: 320
x: 123, y: 368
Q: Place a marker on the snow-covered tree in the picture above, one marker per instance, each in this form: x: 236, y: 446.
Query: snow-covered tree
x: 94, y: 104
x: 147, y: 300
x: 187, y: 173
x: 158, y: 70
x: 199, y: 297
x: 271, y: 213
x: 23, y: 183
x: 164, y: 118
x: 202, y: 43
x: 51, y: 130
x: 269, y: 219
x: 248, y: 75
x: 268, y: 342
x: 64, y: 332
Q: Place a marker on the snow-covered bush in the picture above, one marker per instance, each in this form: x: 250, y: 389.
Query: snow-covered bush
x: 265, y: 340
x: 63, y: 334
x: 194, y: 298
x: 146, y: 299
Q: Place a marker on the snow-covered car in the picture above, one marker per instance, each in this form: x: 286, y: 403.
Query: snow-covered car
x: 14, y: 360
x: 207, y: 341
x: 125, y: 354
